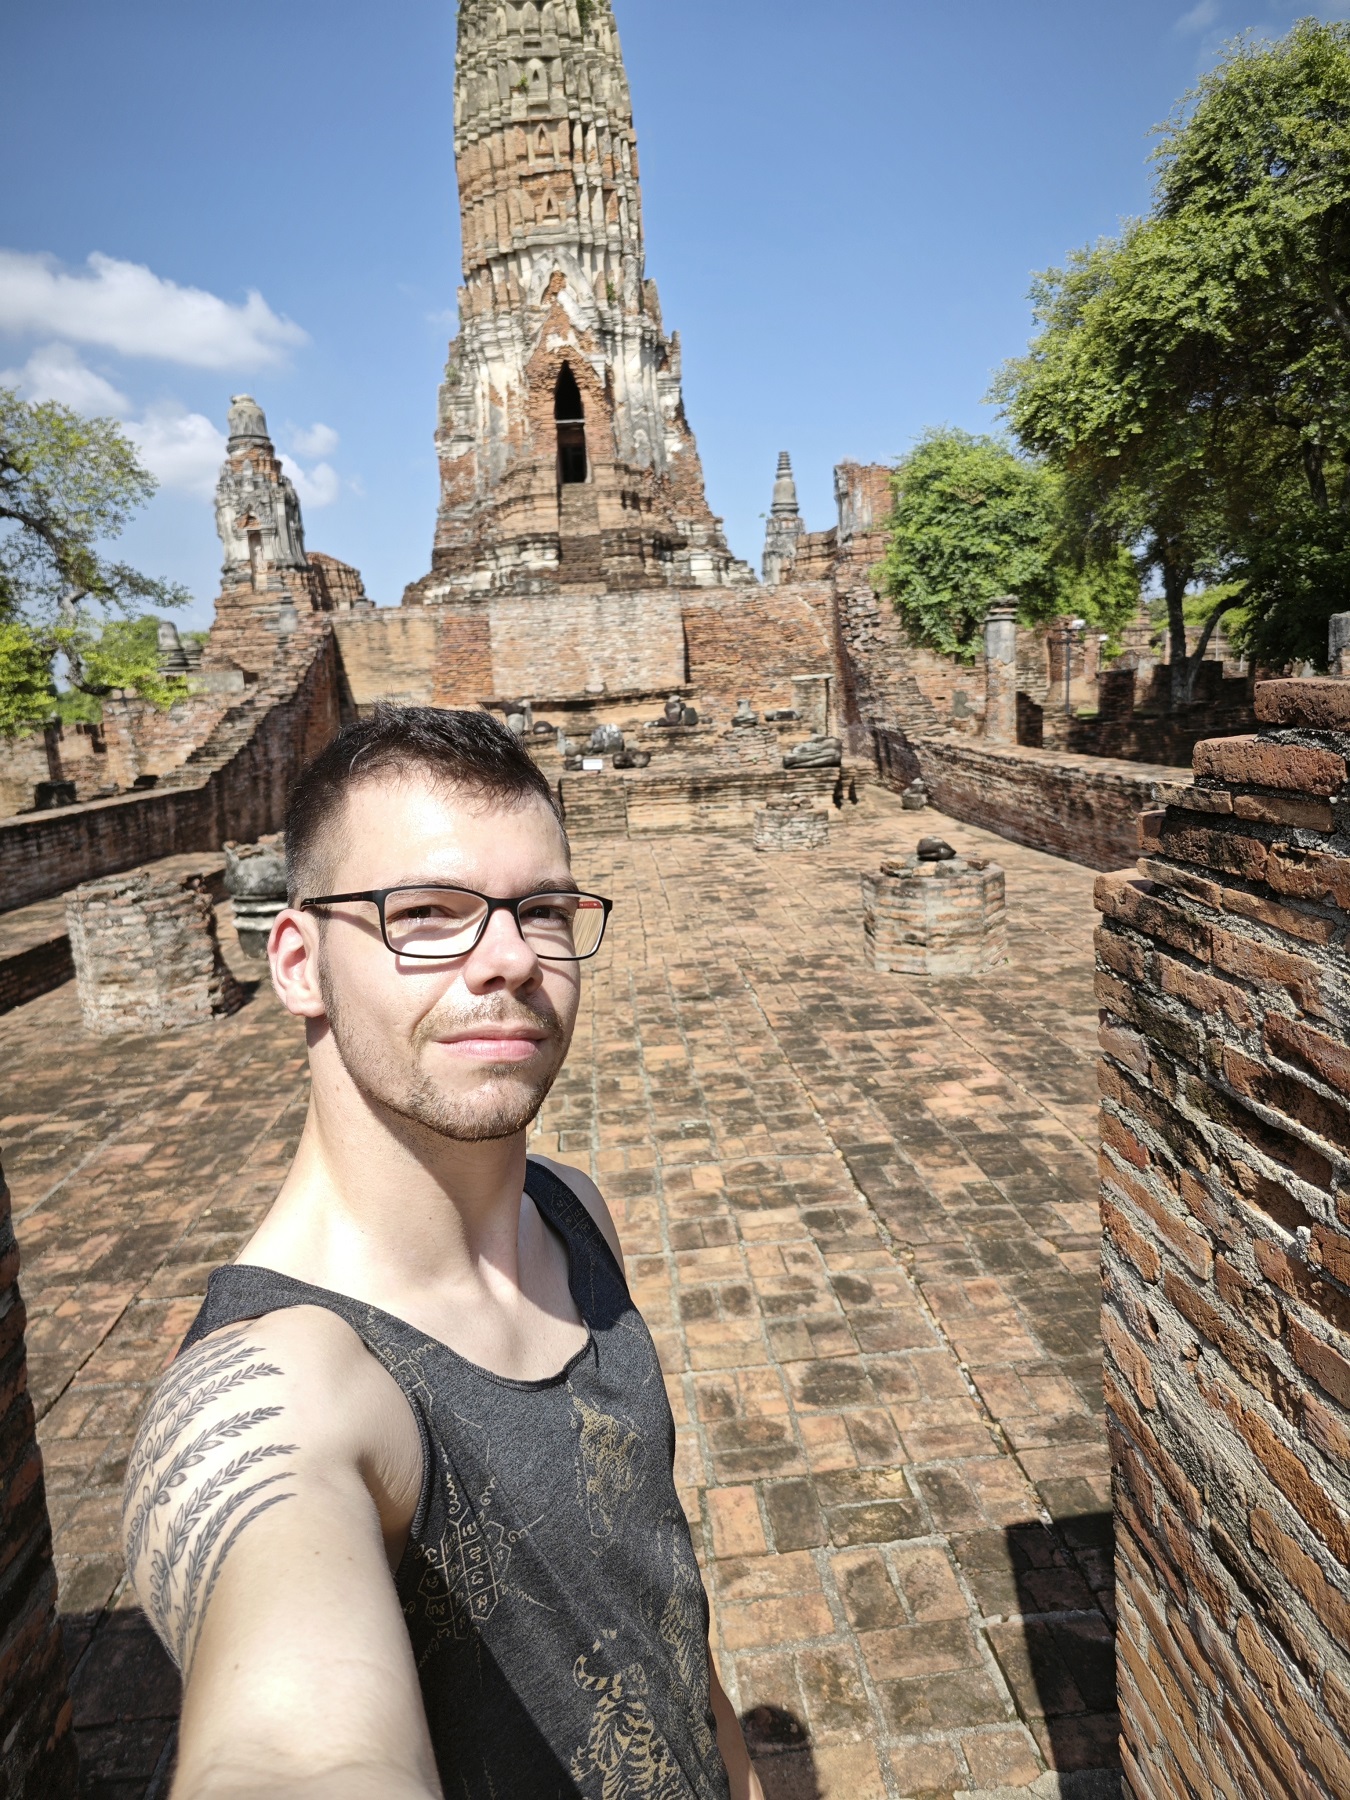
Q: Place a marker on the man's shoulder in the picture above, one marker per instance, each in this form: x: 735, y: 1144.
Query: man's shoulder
x: 237, y: 1426
x: 590, y: 1197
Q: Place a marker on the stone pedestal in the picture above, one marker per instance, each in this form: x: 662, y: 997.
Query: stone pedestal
x: 791, y: 824
x: 811, y: 702
x: 255, y: 880
x: 145, y: 952
x: 1000, y: 672
x: 934, y: 917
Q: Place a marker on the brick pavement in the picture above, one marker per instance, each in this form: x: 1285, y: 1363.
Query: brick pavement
x: 860, y: 1215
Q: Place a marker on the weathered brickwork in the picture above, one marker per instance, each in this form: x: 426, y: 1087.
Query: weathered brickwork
x: 1224, y: 979
x: 566, y: 459
x: 939, y: 918
x: 37, y: 1751
x: 791, y: 824
x: 235, y: 786
x: 59, y: 752
x: 1081, y: 807
x: 146, y: 951
x: 34, y: 953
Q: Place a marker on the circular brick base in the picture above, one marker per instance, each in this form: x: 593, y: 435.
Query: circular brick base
x: 791, y: 825
x: 934, y: 918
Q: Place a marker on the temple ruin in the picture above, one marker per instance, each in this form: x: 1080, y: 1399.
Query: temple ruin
x: 850, y: 1138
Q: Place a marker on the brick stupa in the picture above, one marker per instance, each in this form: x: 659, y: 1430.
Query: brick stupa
x: 566, y: 461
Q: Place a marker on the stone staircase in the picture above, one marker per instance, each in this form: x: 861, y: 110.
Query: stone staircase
x: 237, y: 726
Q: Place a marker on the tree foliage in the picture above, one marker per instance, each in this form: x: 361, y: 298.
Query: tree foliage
x: 973, y: 521
x: 1190, y: 378
x: 67, y: 485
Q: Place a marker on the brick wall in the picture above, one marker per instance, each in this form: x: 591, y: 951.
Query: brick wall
x: 551, y: 645
x: 23, y: 763
x: 37, y: 1751
x: 242, y: 796
x: 389, y: 654
x: 1080, y: 807
x: 35, y: 970
x: 1224, y: 978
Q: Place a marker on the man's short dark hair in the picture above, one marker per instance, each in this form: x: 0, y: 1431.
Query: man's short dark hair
x: 462, y: 749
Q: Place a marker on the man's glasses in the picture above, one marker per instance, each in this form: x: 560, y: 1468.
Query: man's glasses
x: 439, y: 922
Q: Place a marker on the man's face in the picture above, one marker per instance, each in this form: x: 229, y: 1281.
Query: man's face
x: 467, y: 1047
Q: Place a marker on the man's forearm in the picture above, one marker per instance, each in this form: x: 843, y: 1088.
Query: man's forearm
x: 366, y: 1782
x: 741, y: 1776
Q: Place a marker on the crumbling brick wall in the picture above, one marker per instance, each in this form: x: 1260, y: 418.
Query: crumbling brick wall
x: 240, y: 793
x: 1084, y: 808
x: 37, y: 1750
x: 1224, y: 978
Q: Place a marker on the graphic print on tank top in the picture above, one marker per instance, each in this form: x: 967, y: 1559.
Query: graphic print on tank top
x: 549, y: 1587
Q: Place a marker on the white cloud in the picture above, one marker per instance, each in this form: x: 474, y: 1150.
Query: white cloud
x: 319, y: 486
x: 1200, y: 17
x: 181, y: 449
x: 126, y: 307
x: 315, y: 440
x: 55, y: 372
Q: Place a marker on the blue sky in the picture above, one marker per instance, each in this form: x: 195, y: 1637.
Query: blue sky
x: 844, y: 205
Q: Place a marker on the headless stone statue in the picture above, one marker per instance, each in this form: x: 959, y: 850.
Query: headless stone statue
x: 818, y: 752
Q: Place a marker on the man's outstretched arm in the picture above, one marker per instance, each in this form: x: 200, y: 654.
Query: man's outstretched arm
x: 263, y: 1495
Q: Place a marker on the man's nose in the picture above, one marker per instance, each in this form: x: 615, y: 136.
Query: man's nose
x: 501, y: 954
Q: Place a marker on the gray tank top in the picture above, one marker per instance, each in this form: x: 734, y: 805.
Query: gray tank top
x: 556, y: 1612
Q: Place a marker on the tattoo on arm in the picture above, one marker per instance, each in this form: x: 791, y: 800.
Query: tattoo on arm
x: 179, y: 1528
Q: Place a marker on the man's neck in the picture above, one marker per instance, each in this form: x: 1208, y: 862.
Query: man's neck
x: 379, y: 1206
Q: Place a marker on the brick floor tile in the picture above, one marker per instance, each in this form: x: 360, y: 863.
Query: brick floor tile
x: 932, y: 1768
x: 903, y: 1652
x: 794, y: 1514
x: 1001, y: 1758
x: 737, y: 1529
x: 942, y: 1702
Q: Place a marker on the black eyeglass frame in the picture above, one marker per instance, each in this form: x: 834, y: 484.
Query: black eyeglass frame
x: 494, y: 904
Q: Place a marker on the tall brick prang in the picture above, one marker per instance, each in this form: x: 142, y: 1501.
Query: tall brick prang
x: 1224, y: 979
x: 37, y: 1751
x: 566, y: 458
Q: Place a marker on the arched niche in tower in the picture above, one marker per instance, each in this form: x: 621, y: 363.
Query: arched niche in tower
x: 570, y: 421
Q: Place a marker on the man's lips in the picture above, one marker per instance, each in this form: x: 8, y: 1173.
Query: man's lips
x: 488, y: 1046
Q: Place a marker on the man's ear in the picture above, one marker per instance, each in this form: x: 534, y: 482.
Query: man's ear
x: 293, y: 953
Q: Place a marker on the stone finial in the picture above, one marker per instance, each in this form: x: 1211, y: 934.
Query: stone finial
x: 785, y: 489
x: 172, y: 658
x: 784, y: 528
x: 257, y: 507
x: 1338, y: 644
x: 247, y: 423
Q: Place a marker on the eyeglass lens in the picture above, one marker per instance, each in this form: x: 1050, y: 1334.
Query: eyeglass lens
x: 435, y: 922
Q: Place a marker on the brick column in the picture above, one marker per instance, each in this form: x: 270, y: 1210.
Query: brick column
x: 1224, y: 978
x: 1000, y: 672
x: 37, y: 1751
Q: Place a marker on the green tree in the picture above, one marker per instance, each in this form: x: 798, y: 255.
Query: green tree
x: 67, y: 485
x: 972, y: 521
x: 1191, y: 377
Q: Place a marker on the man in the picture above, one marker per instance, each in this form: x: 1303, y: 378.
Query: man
x: 403, y: 1508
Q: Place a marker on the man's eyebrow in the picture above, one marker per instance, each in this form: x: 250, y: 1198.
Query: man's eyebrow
x: 562, y: 884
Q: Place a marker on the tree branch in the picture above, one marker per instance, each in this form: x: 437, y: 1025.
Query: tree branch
x: 1339, y: 317
x: 1198, y: 655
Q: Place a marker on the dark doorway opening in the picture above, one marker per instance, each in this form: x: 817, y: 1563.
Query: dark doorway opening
x: 570, y: 417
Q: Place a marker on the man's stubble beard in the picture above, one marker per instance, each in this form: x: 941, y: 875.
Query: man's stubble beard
x: 408, y: 1091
